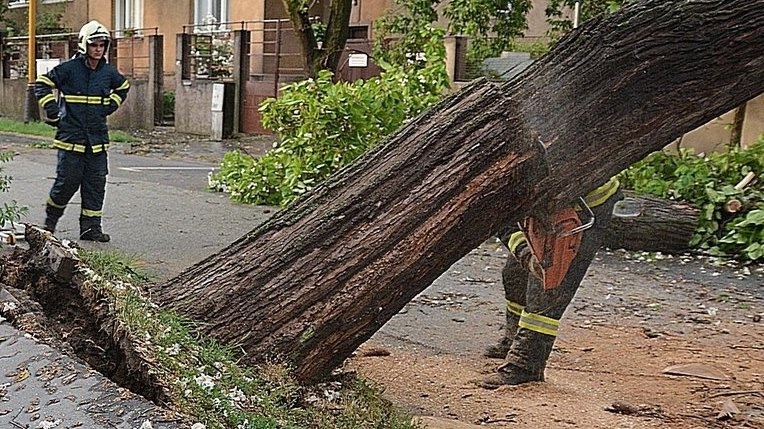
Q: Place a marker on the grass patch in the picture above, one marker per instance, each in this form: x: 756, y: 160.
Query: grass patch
x: 206, y: 381
x: 42, y: 129
x: 31, y: 128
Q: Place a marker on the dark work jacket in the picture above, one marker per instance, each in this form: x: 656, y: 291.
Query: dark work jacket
x: 85, y: 98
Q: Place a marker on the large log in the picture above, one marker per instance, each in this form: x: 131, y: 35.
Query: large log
x: 639, y: 220
x: 321, y: 276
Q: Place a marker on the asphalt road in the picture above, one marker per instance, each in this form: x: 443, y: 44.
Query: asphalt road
x: 156, y: 210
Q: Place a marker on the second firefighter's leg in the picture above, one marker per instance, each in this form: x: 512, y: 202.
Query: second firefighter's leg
x: 69, y: 170
x: 514, y: 278
x: 540, y: 319
x: 93, y: 193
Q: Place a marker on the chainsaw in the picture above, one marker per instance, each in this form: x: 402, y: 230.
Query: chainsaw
x: 554, y: 241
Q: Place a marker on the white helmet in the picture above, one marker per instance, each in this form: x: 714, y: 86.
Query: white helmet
x: 92, y: 32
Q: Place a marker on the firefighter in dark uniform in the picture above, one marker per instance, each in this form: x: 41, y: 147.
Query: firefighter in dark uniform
x: 534, y: 306
x: 77, y: 96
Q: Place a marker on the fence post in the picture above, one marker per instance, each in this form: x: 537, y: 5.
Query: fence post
x: 183, y: 57
x: 276, y: 76
x: 156, y: 76
x: 5, y: 67
x: 113, y: 54
x: 241, y: 42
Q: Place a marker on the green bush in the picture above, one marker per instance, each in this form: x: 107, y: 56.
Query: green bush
x: 322, y: 126
x: 168, y: 104
x: 708, y: 182
x: 10, y: 212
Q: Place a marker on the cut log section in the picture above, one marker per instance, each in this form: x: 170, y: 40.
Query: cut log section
x: 652, y: 224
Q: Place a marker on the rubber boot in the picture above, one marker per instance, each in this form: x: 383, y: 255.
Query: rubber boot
x: 50, y: 225
x: 525, y: 361
x: 52, y: 215
x: 94, y: 234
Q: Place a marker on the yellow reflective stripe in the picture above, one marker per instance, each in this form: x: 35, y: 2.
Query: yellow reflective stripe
x: 44, y: 100
x: 86, y: 99
x: 117, y: 99
x: 124, y: 85
x: 92, y: 213
x: 601, y: 194
x: 516, y: 239
x: 53, y: 204
x: 71, y: 147
x: 515, y: 308
x: 100, y: 148
x: 74, y: 147
x: 46, y: 80
x: 539, y: 323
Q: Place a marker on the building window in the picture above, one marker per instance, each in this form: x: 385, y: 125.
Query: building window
x: 128, y: 15
x: 210, y: 12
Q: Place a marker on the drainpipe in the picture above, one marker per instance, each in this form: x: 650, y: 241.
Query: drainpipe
x: 355, y: 12
x: 30, y: 107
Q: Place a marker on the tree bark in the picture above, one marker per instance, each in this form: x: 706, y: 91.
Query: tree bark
x: 652, y: 224
x: 321, y: 276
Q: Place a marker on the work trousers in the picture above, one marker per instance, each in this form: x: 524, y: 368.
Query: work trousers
x: 533, y: 313
x: 87, y: 173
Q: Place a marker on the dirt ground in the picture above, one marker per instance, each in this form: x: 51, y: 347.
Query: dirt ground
x: 648, y: 342
x: 634, y: 328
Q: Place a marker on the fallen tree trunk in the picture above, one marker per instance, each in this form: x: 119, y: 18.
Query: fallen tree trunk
x: 320, y: 277
x: 652, y: 224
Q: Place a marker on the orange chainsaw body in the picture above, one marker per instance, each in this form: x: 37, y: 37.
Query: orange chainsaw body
x: 554, y: 243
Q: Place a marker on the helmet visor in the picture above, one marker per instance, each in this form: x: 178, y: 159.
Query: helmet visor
x: 98, y: 40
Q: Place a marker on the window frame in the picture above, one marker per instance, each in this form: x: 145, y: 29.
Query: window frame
x: 128, y: 14
x: 211, y: 5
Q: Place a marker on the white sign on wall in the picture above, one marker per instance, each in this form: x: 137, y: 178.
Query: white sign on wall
x: 358, y: 60
x: 45, y: 65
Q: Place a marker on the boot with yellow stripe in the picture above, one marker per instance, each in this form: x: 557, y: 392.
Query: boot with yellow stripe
x: 95, y: 234
x: 90, y: 228
x: 527, y: 357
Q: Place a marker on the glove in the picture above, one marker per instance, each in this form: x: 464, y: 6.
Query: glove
x: 51, y: 114
x: 526, y: 259
x: 52, y: 122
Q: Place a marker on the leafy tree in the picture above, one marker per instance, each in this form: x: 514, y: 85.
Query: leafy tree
x: 325, y: 125
x: 406, y: 31
x: 587, y: 9
x: 492, y: 25
x: 334, y: 33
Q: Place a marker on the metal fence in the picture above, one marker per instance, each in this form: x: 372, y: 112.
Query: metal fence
x: 211, y: 50
x: 273, y: 49
x: 51, y: 47
x: 129, y: 52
